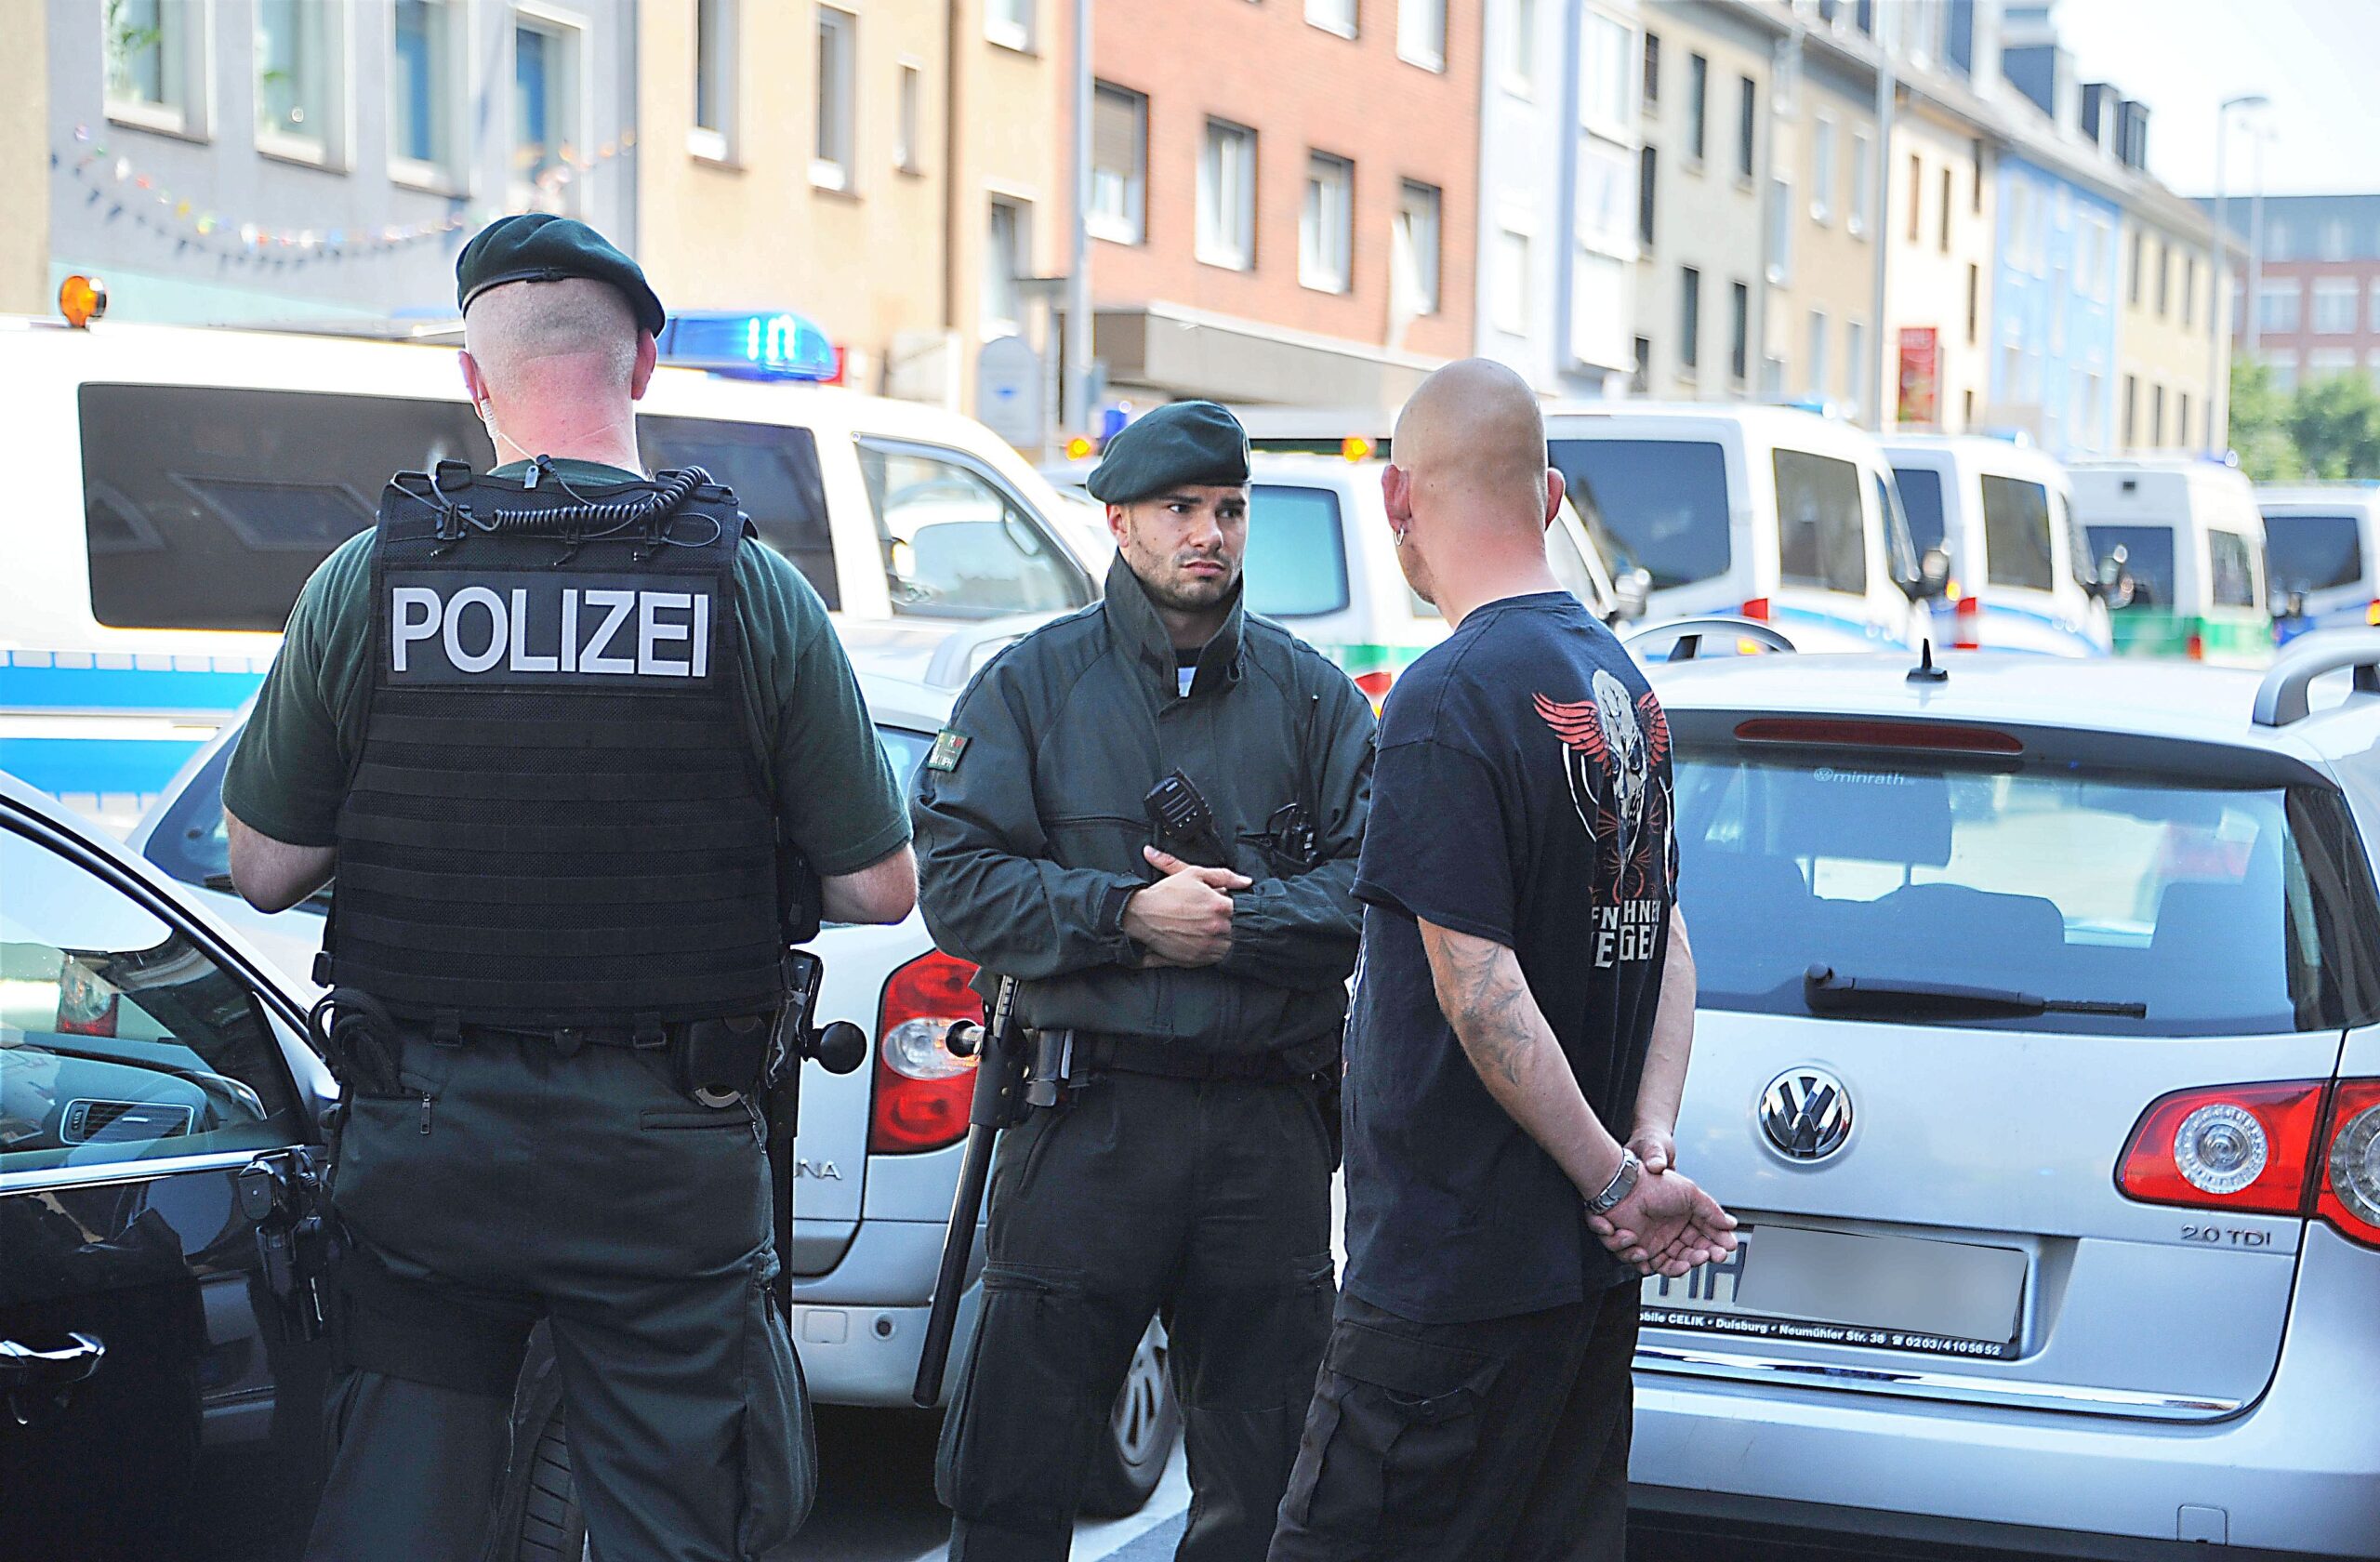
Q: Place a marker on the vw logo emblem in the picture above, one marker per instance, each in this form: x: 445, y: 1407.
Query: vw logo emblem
x: 1806, y: 1114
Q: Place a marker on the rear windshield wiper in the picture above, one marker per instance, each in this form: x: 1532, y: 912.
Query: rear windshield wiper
x: 1828, y: 992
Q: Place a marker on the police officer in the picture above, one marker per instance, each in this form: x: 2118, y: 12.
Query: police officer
x: 556, y: 728
x: 1196, y: 976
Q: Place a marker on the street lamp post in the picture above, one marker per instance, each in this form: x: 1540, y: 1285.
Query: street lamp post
x: 2218, y: 391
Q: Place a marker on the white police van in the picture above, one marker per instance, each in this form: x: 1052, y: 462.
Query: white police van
x: 1776, y: 514
x: 2322, y: 554
x: 176, y: 487
x: 2022, y: 573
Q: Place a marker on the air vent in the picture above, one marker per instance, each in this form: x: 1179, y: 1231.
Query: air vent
x: 112, y: 1122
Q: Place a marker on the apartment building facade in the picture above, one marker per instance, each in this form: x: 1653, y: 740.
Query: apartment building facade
x: 1559, y: 143
x: 268, y: 160
x: 1284, y: 197
x: 1821, y: 225
x: 2316, y: 308
x: 2174, y: 329
x: 24, y: 158
x: 1708, y: 138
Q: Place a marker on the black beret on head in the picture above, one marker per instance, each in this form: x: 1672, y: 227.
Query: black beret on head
x: 539, y: 246
x: 1185, y: 442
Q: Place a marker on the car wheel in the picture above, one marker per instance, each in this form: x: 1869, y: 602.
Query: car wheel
x: 1130, y: 1458
x: 540, y: 1519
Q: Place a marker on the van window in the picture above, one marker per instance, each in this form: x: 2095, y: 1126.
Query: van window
x: 1296, y: 565
x: 774, y: 472
x: 1821, y: 538
x: 1656, y: 505
x: 2016, y: 533
x: 206, y: 508
x: 1920, y: 496
x: 2231, y: 570
x: 1900, y: 550
x: 2148, y: 557
x: 955, y: 544
x: 2313, y: 552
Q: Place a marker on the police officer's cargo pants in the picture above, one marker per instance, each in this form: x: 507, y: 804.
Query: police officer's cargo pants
x: 505, y: 1181
x: 1499, y: 1441
x: 1206, y: 1202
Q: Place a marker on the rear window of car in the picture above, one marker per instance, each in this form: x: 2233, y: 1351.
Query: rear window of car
x: 208, y: 508
x: 2225, y: 910
x: 1296, y: 563
x: 2017, y: 534
x: 2313, y: 552
x: 1821, y: 538
x: 2146, y: 553
x: 1656, y: 505
x: 1920, y: 496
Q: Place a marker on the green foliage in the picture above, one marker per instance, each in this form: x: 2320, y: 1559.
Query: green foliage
x: 2336, y: 424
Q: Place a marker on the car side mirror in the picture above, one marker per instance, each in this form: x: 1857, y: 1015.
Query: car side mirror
x: 1933, y: 575
x: 2290, y: 605
x: 1631, y: 593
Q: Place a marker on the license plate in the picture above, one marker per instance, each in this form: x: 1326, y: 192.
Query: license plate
x: 1906, y: 1293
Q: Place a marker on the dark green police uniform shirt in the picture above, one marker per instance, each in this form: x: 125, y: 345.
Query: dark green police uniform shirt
x: 829, y: 776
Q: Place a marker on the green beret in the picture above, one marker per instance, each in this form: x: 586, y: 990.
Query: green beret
x: 540, y: 247
x: 1186, y: 443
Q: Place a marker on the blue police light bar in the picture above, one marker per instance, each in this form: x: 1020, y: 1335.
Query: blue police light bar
x: 772, y: 346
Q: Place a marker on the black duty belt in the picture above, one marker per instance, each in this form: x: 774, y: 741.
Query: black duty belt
x: 1098, y: 1052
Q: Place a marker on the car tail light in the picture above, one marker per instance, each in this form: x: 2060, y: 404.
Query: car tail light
x: 1828, y: 731
x: 2371, y: 614
x: 922, y: 1088
x: 2247, y: 1147
x: 2196, y: 647
x: 1375, y: 685
x: 2349, y: 1192
x: 1966, y: 624
x: 1757, y: 608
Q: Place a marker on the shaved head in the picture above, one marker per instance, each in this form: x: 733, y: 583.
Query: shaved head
x: 1469, y: 494
x: 556, y: 367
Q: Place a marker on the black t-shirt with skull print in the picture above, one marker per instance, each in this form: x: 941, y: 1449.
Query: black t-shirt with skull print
x: 1521, y: 795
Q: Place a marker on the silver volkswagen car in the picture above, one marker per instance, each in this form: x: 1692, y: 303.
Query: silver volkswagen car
x: 2039, y: 1051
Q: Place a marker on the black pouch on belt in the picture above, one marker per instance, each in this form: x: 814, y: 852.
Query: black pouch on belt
x: 723, y: 1058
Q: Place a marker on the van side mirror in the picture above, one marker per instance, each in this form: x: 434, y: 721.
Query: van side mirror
x: 2115, y: 585
x: 2289, y: 605
x: 1932, y: 576
x: 1631, y: 593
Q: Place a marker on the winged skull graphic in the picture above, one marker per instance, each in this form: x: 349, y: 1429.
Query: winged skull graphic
x: 1611, y: 745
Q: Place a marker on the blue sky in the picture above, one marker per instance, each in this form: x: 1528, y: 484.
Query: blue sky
x: 2318, y: 61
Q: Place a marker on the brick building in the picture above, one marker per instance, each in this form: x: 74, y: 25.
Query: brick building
x: 1284, y: 196
x: 2316, y: 311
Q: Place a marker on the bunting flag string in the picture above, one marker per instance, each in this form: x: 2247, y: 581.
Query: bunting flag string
x: 130, y: 194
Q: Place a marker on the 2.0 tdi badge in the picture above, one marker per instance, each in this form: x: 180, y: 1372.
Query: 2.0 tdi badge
x: 1806, y: 1114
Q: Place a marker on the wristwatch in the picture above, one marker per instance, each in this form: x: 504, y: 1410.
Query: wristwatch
x: 1624, y: 1182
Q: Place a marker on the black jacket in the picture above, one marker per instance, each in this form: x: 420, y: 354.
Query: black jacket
x: 1030, y: 841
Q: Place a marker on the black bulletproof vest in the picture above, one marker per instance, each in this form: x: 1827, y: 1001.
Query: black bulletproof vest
x: 558, y: 816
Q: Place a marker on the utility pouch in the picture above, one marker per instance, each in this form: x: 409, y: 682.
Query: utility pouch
x: 721, y: 1060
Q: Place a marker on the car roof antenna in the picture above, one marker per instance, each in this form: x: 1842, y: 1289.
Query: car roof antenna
x: 1925, y: 672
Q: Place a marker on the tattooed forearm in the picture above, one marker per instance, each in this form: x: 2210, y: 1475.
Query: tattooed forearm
x: 1486, y: 1001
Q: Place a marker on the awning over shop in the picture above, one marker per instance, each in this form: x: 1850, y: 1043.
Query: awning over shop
x: 1174, y: 352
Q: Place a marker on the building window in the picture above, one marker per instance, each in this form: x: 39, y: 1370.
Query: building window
x: 1652, y: 72
x: 152, y: 49
x: 1747, y: 123
x: 1605, y: 51
x: 1738, y: 332
x: 1648, y: 163
x: 545, y: 110
x: 2133, y: 291
x: 1007, y: 256
x: 830, y: 164
x: 1863, y: 185
x: 1227, y: 196
x: 1520, y: 50
x: 2329, y: 363
x: 2164, y: 278
x: 1415, y: 253
x: 2331, y: 244
x: 1508, y: 283
x: 1597, y: 305
x: 1009, y: 23
x: 1332, y: 16
x: 1822, y: 170
x: 1119, y: 163
x: 1420, y: 33
x: 1975, y: 301
x: 2277, y: 307
x: 1815, y: 384
x: 2130, y: 412
x: 1945, y: 243
x: 2372, y: 304
x: 715, y: 56
x: 1327, y: 224
x: 1697, y: 105
x: 1855, y: 364
x: 2182, y: 419
x: 2189, y: 291
x: 1640, y: 377
x: 1975, y: 151
x: 2282, y: 369
x: 1780, y: 229
x: 2156, y: 417
x: 426, y: 67
x: 908, y: 136
x: 1689, y: 320
x: 1916, y: 194
x: 299, y: 54
x: 2334, y: 312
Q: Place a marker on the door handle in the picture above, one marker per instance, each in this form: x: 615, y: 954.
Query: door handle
x: 22, y: 1367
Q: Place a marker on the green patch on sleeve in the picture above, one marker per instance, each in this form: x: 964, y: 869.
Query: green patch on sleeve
x: 948, y: 747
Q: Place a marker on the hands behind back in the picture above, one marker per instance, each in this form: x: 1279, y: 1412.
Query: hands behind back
x: 1184, y: 918
x: 1666, y: 1226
